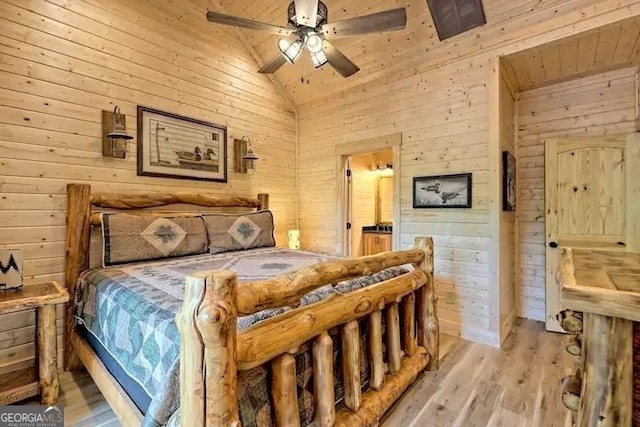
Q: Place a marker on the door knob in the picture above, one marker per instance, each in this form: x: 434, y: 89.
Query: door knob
x: 553, y: 244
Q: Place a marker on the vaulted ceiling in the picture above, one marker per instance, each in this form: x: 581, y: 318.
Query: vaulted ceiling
x: 373, y: 53
x: 387, y: 54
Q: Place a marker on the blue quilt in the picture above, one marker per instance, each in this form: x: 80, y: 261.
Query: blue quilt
x: 130, y: 311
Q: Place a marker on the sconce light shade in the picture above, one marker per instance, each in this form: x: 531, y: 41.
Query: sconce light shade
x: 250, y: 160
x: 294, y: 239
x: 245, y: 157
x: 115, y: 139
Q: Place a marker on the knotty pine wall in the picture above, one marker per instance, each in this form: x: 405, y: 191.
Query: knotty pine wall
x: 440, y: 104
x: 508, y: 254
x: 598, y: 105
x: 62, y: 62
x: 440, y: 135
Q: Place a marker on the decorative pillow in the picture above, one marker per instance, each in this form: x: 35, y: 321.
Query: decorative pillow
x: 237, y: 232
x: 129, y: 238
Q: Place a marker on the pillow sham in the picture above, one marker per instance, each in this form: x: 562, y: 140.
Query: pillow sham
x: 237, y: 232
x: 129, y: 238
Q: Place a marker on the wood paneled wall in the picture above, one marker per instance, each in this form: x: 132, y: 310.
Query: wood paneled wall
x: 591, y: 106
x: 63, y: 62
x: 440, y: 105
x: 443, y: 117
x: 508, y: 254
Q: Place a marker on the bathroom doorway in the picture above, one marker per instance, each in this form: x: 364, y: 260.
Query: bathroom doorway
x: 370, y: 197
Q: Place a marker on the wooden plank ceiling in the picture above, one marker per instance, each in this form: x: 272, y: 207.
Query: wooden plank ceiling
x: 604, y: 49
x: 378, y: 55
x: 384, y: 54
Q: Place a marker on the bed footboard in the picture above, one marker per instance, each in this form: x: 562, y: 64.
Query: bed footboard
x: 212, y: 352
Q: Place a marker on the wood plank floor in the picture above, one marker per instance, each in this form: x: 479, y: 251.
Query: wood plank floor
x: 476, y: 385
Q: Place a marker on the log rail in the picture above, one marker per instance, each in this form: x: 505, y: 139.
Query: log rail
x: 407, y: 303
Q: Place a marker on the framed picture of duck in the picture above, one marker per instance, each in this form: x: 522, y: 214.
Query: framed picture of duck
x: 174, y: 146
x: 442, y: 191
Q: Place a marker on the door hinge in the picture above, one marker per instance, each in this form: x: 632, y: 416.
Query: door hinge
x: 349, y: 173
x: 348, y: 226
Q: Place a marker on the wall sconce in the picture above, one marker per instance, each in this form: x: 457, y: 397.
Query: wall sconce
x: 115, y: 139
x: 244, y: 157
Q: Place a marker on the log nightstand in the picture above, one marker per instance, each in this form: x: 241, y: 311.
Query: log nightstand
x: 27, y: 382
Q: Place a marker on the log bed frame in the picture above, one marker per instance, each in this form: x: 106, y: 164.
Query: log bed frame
x: 212, y: 351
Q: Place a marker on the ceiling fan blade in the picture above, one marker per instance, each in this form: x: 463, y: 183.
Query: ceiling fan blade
x: 395, y: 19
x: 341, y: 63
x: 307, y: 12
x: 273, y: 65
x: 220, y: 18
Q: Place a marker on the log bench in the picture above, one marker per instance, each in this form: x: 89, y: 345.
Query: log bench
x: 602, y: 289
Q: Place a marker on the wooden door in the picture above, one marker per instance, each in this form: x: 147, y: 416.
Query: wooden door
x: 586, y: 195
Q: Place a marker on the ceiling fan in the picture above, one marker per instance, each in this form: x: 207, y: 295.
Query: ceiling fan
x: 309, y: 28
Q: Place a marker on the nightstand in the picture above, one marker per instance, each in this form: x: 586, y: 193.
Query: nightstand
x: 28, y: 382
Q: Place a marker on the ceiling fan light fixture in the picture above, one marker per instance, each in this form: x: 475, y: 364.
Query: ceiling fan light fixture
x: 290, y: 50
x: 314, y: 42
x: 318, y: 58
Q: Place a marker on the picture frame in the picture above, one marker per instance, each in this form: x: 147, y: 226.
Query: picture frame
x: 10, y: 269
x: 174, y: 146
x: 443, y: 191
x: 508, y: 182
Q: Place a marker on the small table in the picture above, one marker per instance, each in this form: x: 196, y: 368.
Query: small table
x: 605, y: 287
x: 27, y: 382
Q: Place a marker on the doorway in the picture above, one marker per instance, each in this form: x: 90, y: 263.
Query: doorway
x: 370, y: 196
x: 370, y: 203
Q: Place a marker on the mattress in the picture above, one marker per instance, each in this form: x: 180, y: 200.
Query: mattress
x: 126, y: 313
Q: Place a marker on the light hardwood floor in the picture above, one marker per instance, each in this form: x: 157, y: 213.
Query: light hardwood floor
x: 476, y: 385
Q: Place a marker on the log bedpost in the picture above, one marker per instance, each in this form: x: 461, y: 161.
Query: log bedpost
x: 76, y: 259
x: 426, y: 299
x: 264, y: 201
x: 208, y: 345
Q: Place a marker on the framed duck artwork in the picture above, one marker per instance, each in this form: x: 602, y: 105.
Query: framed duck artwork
x: 442, y: 191
x: 175, y: 146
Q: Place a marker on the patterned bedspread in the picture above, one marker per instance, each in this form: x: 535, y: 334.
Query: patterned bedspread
x: 130, y: 310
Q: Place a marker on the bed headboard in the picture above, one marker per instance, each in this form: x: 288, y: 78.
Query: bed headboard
x: 81, y: 216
